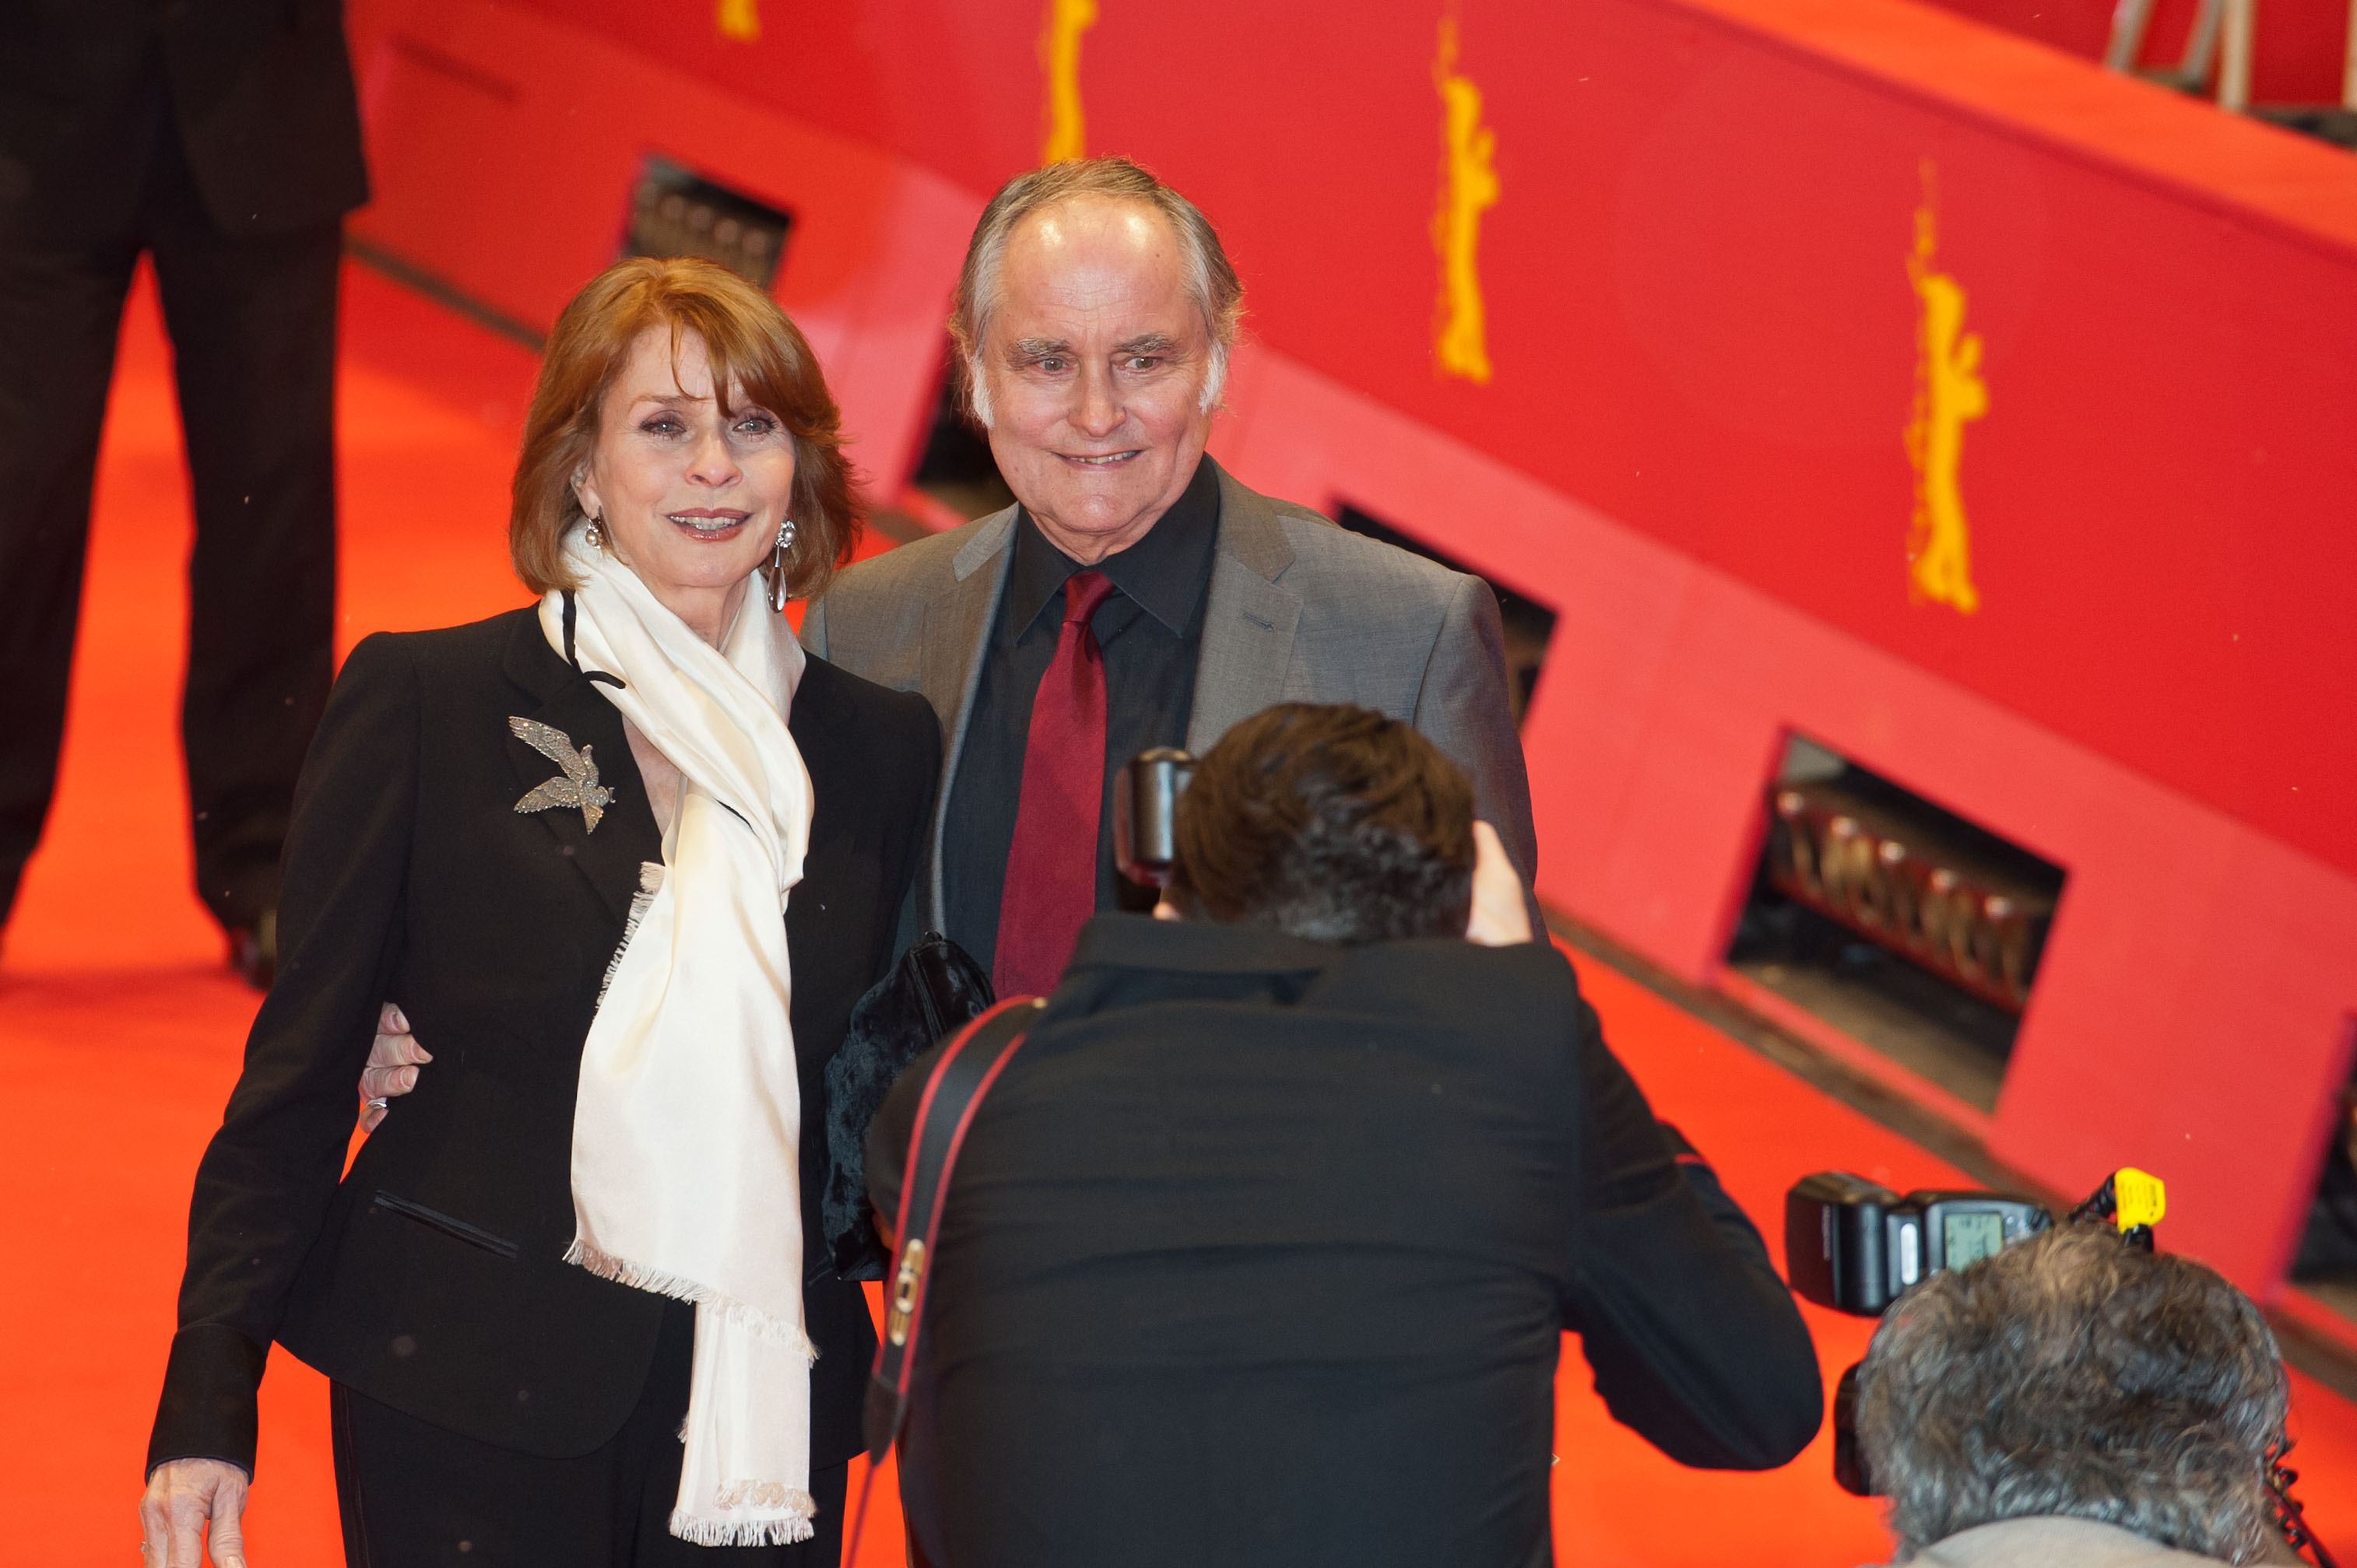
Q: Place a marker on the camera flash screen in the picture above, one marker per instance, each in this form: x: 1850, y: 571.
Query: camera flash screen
x: 1967, y: 1239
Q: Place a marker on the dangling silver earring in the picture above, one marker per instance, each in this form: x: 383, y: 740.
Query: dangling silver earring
x: 778, y: 565
x: 594, y: 534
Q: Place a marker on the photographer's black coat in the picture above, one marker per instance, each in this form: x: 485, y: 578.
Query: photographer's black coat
x: 1261, y: 1252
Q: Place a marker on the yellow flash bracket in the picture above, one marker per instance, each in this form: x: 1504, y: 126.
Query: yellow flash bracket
x: 2142, y: 1198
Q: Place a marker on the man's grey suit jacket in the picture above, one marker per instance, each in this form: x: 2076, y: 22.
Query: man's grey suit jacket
x: 1301, y: 610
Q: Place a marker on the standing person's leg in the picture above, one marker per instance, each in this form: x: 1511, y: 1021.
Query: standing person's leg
x: 413, y: 1495
x: 253, y: 341
x: 60, y: 307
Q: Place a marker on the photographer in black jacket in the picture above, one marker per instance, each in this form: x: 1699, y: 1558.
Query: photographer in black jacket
x: 1261, y: 1250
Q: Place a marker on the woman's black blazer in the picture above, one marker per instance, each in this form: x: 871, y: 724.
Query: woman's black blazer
x: 431, y: 1277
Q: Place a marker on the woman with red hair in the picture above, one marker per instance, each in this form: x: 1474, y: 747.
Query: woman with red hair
x: 625, y: 858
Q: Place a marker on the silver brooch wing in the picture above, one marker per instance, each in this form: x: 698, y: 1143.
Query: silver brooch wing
x: 575, y: 786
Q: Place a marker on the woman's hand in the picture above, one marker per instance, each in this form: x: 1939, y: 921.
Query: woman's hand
x: 1500, y: 917
x: 180, y: 1497
x: 394, y: 1058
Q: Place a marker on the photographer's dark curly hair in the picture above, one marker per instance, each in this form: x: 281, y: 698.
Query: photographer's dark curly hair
x: 2073, y: 1375
x: 1330, y: 823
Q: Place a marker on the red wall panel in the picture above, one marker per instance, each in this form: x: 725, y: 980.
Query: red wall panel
x: 1701, y: 324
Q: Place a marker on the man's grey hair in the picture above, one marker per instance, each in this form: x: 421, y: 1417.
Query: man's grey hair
x: 1211, y: 280
x: 2075, y: 1375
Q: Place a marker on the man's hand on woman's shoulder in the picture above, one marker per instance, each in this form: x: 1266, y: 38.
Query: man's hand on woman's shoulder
x: 394, y: 1056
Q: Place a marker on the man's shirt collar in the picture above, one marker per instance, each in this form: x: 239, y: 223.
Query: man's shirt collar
x: 1168, y: 571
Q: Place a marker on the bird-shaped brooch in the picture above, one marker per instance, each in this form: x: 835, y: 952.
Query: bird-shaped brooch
x: 578, y: 786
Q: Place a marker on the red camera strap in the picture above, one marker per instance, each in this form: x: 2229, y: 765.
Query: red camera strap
x: 966, y: 1069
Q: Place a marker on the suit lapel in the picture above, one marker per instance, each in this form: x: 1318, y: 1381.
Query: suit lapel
x: 1249, y: 620
x: 956, y: 639
x: 552, y: 693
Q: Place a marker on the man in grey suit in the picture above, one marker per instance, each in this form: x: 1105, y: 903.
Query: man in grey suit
x: 1094, y: 317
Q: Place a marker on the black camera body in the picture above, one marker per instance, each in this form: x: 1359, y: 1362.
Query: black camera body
x: 1145, y: 814
x: 1857, y: 1246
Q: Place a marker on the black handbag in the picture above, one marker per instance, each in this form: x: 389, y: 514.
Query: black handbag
x: 935, y: 990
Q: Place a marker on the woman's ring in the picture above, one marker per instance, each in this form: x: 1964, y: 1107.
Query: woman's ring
x: 379, y: 1103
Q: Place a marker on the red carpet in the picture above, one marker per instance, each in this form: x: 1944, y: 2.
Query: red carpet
x: 120, y: 1034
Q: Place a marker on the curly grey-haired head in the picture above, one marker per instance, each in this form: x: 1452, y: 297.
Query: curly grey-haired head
x: 1211, y: 280
x: 2073, y: 1375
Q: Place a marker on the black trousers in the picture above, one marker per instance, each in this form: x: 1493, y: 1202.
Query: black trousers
x: 253, y: 341
x: 414, y: 1495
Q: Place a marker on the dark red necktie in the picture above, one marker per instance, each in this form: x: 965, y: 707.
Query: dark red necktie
x: 1051, y: 868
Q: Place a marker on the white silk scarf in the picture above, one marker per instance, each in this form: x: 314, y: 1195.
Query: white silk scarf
x: 687, y: 1131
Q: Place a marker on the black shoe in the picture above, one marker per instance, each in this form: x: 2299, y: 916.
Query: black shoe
x: 253, y: 951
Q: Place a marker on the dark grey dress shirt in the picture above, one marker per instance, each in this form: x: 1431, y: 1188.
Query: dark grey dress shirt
x: 1151, y: 630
